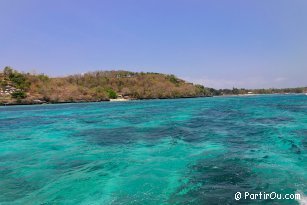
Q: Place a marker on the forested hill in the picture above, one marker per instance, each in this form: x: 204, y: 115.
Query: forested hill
x: 25, y: 88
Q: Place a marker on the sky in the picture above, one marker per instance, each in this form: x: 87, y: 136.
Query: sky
x: 217, y: 43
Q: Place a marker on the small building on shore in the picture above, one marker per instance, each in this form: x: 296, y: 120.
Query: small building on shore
x: 121, y: 98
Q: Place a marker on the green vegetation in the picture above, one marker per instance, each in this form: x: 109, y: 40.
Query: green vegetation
x: 19, y: 95
x: 112, y: 94
x: 243, y: 91
x: 94, y: 86
x: 27, y: 88
x: 173, y: 79
x: 19, y: 80
x: 7, y: 71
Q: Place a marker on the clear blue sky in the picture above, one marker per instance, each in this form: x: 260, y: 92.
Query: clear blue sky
x: 247, y: 43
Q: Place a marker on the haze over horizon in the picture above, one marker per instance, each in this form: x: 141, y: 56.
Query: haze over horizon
x: 221, y: 44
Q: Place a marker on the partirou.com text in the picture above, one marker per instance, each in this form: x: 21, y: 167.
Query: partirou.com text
x: 266, y: 196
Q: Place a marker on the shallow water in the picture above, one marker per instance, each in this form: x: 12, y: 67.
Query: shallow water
x: 186, y: 151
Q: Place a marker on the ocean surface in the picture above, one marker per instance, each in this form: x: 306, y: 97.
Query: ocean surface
x: 183, y: 151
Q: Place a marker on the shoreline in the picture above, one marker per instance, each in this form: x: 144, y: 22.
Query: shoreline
x: 144, y: 99
x: 110, y: 100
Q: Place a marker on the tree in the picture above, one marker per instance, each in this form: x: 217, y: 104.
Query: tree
x: 173, y: 79
x: 19, y: 80
x: 235, y: 91
x: 112, y: 94
x: 7, y: 71
x: 19, y: 95
x: 2, y: 83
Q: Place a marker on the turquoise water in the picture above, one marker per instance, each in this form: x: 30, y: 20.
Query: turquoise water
x: 185, y: 151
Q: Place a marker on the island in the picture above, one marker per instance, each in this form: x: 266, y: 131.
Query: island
x: 25, y: 88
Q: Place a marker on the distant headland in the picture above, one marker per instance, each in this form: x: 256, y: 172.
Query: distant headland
x: 26, y: 88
